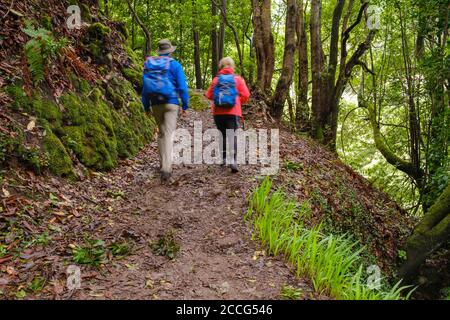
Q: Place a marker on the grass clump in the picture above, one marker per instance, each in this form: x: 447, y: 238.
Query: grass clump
x: 292, y: 166
x: 92, y: 253
x: 333, y: 262
x: 291, y: 293
x: 166, y: 245
x: 120, y: 249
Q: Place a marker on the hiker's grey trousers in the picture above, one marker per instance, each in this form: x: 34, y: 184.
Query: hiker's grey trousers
x: 166, y: 116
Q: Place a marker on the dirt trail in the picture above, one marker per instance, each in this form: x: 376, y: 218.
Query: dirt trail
x: 204, y: 208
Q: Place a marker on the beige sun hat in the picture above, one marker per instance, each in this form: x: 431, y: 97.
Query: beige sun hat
x: 165, y: 46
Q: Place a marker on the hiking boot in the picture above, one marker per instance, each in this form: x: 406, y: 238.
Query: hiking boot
x: 165, y: 176
x: 234, y: 168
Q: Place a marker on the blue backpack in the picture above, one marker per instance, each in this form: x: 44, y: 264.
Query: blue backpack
x: 225, y: 91
x: 156, y: 82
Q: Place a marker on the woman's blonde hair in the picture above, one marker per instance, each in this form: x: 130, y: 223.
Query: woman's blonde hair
x: 227, y: 62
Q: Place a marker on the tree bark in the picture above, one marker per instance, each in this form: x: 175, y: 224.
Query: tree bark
x: 285, y: 80
x: 319, y: 109
x: 429, y: 235
x: 264, y: 43
x: 302, y: 108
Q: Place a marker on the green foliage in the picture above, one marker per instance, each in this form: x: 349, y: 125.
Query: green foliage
x: 37, y: 284
x: 197, y: 101
x: 290, y: 293
x: 120, y: 249
x: 292, y: 166
x: 3, y: 250
x: 41, y: 47
x: 332, y: 262
x: 59, y: 160
x: 8, y: 145
x: 92, y: 253
x: 166, y: 245
x: 445, y: 293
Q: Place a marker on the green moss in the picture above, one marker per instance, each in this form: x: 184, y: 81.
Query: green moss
x: 58, y: 159
x: 88, y: 128
x: 80, y: 85
x: 46, y: 109
x: 46, y: 22
x: 117, y: 101
x: 90, y: 133
x: 20, y: 100
x: 8, y: 146
x: 134, y: 76
x: 98, y: 31
x: 136, y: 58
x: 197, y: 101
x: 86, y: 15
x: 97, y: 41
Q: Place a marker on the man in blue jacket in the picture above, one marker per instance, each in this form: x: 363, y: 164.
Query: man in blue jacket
x: 166, y: 113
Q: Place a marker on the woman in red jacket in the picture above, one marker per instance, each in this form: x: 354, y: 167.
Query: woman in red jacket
x: 229, y: 116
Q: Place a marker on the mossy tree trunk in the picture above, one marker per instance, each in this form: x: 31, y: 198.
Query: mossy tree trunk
x: 429, y: 235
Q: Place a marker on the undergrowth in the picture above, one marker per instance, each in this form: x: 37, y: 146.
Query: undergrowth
x: 333, y: 262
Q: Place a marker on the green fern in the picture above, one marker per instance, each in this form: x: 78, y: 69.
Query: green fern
x: 41, y: 47
x: 35, y: 60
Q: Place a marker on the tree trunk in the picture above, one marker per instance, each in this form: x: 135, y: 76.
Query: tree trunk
x: 285, y: 81
x: 327, y: 91
x: 214, y: 42
x: 264, y: 43
x: 223, y: 13
x: 429, y: 235
x: 319, y: 110
x: 302, y: 109
x: 222, y: 30
x: 196, y: 38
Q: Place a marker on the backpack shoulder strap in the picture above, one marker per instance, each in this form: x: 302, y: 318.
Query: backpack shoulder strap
x: 169, y: 60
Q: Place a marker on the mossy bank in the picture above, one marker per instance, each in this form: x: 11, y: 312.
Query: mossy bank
x: 94, y: 125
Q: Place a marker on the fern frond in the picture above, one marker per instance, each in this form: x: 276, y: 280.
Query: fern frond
x: 35, y: 59
x: 39, y: 49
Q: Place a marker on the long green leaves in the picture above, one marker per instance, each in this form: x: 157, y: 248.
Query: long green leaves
x: 333, y: 262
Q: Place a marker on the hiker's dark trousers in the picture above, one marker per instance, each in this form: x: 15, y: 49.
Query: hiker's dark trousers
x: 230, y: 123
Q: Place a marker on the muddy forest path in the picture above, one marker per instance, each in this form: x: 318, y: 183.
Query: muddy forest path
x: 203, y: 210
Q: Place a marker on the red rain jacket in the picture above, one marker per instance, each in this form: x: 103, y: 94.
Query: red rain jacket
x: 244, y: 95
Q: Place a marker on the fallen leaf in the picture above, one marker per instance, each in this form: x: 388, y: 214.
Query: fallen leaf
x: 6, y: 193
x: 31, y: 125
